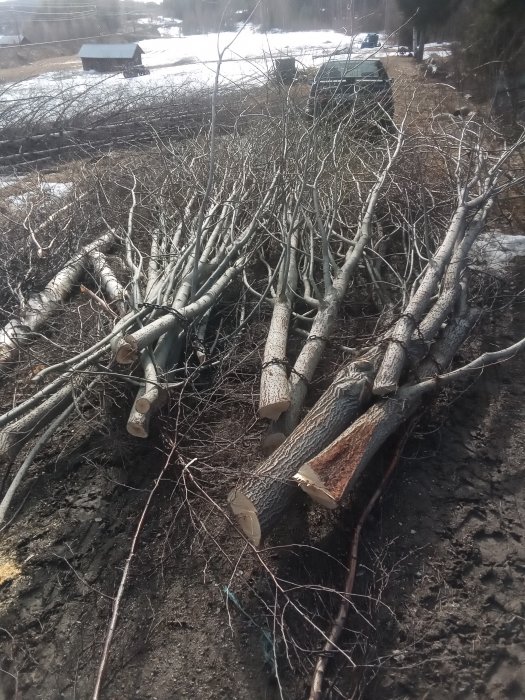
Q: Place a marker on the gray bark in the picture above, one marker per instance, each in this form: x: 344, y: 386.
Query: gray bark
x: 41, y: 306
x: 329, y: 476
x: 260, y: 500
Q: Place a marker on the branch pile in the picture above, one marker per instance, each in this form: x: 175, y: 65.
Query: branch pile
x: 303, y: 224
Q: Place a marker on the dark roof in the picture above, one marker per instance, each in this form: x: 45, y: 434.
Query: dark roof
x: 109, y: 50
x: 12, y: 40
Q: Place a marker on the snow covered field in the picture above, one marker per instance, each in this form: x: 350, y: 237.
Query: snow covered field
x: 186, y: 63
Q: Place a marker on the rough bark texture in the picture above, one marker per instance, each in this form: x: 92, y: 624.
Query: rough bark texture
x: 275, y: 392
x: 259, y: 502
x: 109, y: 282
x: 328, y: 476
x: 41, y: 306
x: 274, y: 396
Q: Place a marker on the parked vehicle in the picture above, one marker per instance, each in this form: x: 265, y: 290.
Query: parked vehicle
x: 371, y: 41
x: 134, y: 71
x: 356, y: 87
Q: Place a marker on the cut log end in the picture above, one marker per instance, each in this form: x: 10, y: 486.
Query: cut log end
x: 151, y: 400
x: 310, y: 483
x: 274, y: 409
x: 138, y: 425
x: 246, y: 516
x: 127, y: 351
x: 143, y: 405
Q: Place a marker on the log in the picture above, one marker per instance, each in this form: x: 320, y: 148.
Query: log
x: 41, y: 306
x: 274, y: 396
x: 109, y: 282
x: 329, y: 476
x: 261, y: 499
x: 387, y: 379
x: 275, y: 392
x: 138, y: 423
x: 150, y: 397
x: 451, y: 287
x: 129, y: 347
x: 326, y: 317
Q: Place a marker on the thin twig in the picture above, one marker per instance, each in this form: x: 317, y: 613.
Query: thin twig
x: 122, y: 585
x: 331, y: 644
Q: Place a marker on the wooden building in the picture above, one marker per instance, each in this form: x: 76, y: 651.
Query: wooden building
x: 110, y: 58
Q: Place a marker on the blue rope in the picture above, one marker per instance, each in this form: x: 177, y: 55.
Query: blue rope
x: 266, y: 636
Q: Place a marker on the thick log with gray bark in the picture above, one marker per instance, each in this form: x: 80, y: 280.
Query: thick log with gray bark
x: 259, y: 502
x: 274, y: 396
x: 328, y: 477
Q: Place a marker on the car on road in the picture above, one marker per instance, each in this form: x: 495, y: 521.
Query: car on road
x: 354, y: 87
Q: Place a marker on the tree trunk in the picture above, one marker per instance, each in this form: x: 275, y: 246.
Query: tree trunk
x: 419, y: 43
x: 260, y: 500
x: 41, y: 306
x: 394, y: 361
x: 326, y: 317
x: 109, y: 282
x: 275, y: 389
x: 328, y: 477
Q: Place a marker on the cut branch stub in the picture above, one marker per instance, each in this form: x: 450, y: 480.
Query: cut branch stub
x: 261, y: 499
x: 153, y: 397
x: 138, y: 424
x: 127, y: 350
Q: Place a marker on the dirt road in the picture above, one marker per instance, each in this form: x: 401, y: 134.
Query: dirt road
x: 39, y: 67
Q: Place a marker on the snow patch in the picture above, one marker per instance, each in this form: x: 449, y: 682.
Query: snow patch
x: 495, y: 250
x: 48, y: 189
x: 7, y: 181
